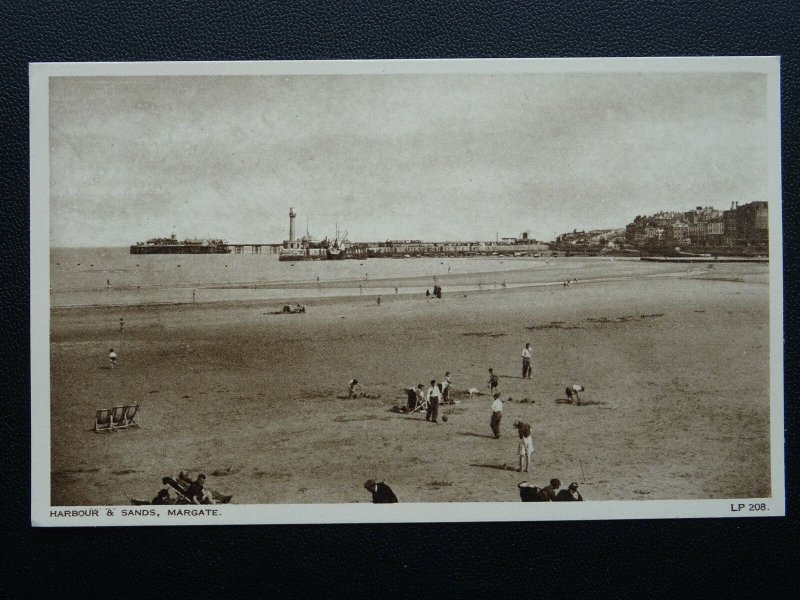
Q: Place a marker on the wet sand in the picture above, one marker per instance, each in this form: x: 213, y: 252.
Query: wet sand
x: 676, y: 370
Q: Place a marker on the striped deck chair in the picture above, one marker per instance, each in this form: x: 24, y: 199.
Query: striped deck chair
x: 130, y: 415
x: 102, y: 420
x: 123, y: 417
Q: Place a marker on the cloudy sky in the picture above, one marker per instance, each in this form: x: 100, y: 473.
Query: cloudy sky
x: 396, y: 156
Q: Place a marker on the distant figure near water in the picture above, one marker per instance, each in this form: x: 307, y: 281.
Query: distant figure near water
x: 379, y: 301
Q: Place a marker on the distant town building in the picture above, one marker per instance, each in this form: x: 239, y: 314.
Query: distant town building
x: 742, y: 228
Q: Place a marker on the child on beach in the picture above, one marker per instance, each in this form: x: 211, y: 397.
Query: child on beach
x: 445, y: 385
x: 494, y: 381
x: 112, y: 358
x: 525, y: 444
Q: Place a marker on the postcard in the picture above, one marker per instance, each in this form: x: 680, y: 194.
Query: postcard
x: 405, y: 291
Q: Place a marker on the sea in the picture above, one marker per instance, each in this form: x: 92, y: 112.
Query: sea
x: 114, y: 277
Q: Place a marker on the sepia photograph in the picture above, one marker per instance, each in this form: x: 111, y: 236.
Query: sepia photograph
x: 285, y: 292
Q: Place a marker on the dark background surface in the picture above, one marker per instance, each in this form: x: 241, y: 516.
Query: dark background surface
x: 624, y: 557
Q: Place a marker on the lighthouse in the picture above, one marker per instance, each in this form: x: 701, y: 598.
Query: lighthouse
x: 292, y: 215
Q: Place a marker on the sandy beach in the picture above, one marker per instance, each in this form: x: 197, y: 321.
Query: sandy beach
x: 676, y: 369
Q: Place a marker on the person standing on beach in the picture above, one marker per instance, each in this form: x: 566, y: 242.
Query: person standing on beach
x: 494, y: 381
x: 526, y: 362
x: 525, y: 444
x: 112, y: 358
x: 379, y: 300
x: 446, y: 384
x: 434, y: 395
x: 497, y: 415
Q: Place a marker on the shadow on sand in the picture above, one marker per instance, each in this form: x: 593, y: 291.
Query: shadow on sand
x: 581, y: 403
x: 498, y: 467
x: 480, y: 435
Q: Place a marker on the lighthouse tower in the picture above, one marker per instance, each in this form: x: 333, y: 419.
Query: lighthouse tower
x: 292, y: 215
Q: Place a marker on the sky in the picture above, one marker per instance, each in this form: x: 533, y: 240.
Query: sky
x: 396, y: 156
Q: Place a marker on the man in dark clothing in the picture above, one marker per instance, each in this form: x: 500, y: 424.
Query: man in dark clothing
x: 381, y: 493
x: 551, y: 490
x: 570, y: 495
x: 197, y: 494
x: 531, y: 493
x: 162, y: 497
x: 434, y: 395
x: 415, y: 396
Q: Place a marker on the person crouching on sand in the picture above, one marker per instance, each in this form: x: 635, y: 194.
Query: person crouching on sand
x: 415, y: 396
x: 381, y: 493
x: 572, y: 393
x: 497, y: 415
x: 353, y: 388
x: 525, y: 444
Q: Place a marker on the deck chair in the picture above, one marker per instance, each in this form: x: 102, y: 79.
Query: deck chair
x: 130, y: 415
x: 102, y: 420
x: 118, y: 417
x: 422, y: 405
x: 180, y: 490
x: 124, y: 416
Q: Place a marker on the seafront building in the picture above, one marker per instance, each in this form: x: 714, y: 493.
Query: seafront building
x: 742, y: 228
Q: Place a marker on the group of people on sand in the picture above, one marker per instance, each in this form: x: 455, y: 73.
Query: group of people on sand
x: 549, y: 493
x: 437, y: 292
x: 187, y: 490
x: 438, y: 393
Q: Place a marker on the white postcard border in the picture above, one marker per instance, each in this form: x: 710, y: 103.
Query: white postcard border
x: 42, y: 514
